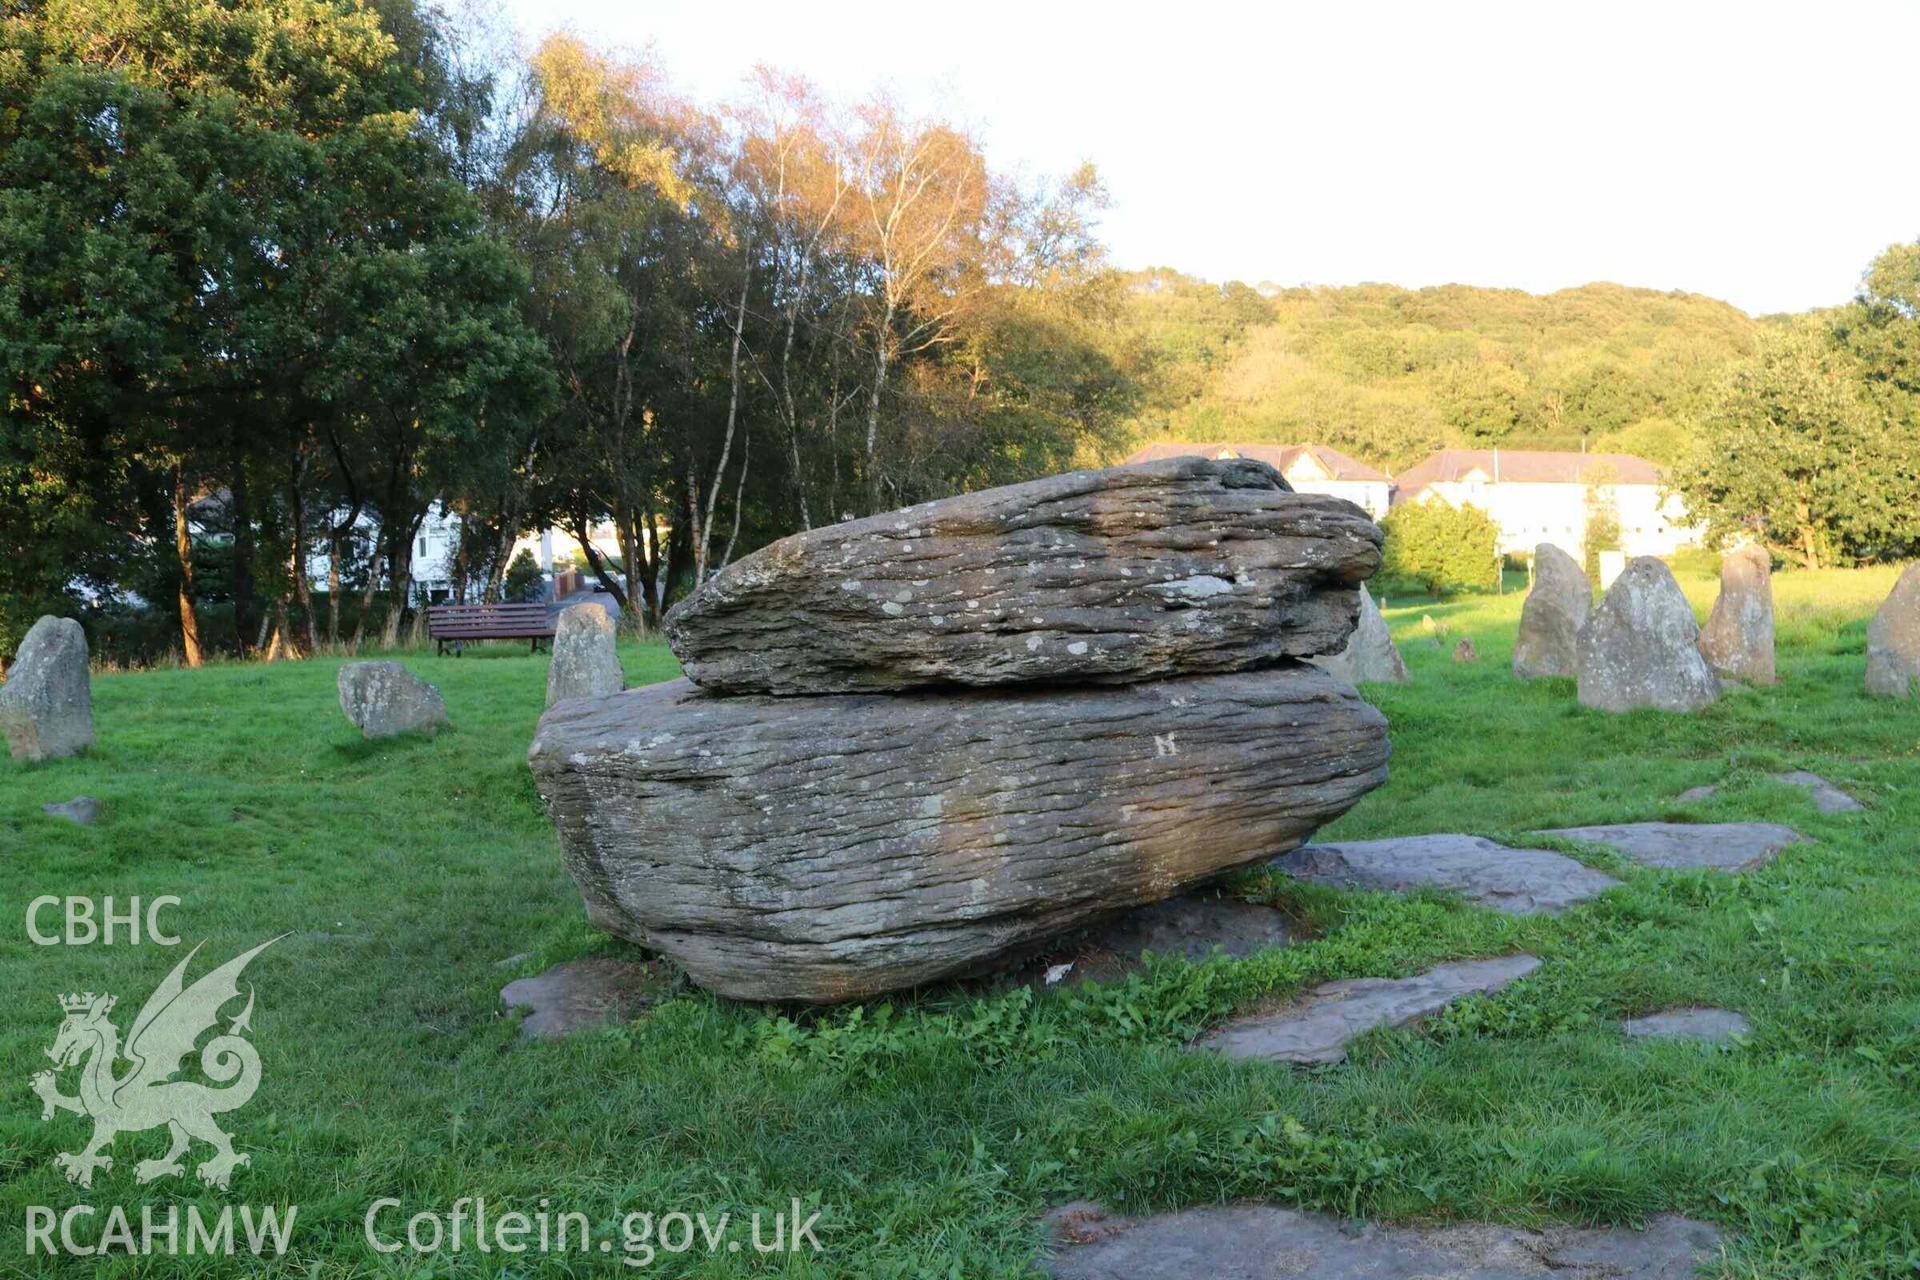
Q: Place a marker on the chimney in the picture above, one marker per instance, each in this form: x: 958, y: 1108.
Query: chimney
x: 1496, y: 464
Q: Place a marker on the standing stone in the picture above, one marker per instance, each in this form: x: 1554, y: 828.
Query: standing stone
x: 46, y: 706
x: 1464, y: 651
x: 835, y: 847
x: 1738, y: 640
x: 1369, y: 655
x: 1550, y: 621
x: 1177, y: 567
x: 585, y: 663
x: 1641, y: 646
x: 384, y: 699
x: 1893, y: 640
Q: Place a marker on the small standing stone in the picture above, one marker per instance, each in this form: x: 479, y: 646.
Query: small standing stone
x: 1738, y: 640
x: 1550, y: 621
x: 1641, y: 646
x: 1893, y: 640
x: 1464, y: 651
x: 1369, y: 655
x: 384, y: 699
x: 46, y: 706
x: 585, y: 663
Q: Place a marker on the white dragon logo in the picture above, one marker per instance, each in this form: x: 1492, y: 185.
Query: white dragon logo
x: 144, y: 1097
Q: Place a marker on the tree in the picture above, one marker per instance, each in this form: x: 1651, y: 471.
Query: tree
x: 1796, y: 454
x: 197, y: 220
x: 1442, y: 548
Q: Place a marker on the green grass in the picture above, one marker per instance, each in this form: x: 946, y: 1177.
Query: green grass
x: 931, y: 1130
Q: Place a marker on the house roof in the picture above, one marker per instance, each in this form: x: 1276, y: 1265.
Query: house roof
x: 1526, y: 466
x: 1336, y: 464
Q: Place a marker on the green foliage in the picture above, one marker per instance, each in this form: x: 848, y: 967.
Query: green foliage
x: 523, y: 582
x: 1440, y: 548
x: 1391, y: 374
x: 1799, y: 453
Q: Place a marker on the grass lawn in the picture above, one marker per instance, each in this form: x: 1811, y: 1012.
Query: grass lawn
x: 930, y: 1131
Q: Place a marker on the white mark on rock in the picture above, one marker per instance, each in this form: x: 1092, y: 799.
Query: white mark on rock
x: 1033, y: 642
x: 1077, y: 648
x: 893, y: 609
x: 1164, y: 745
x: 1198, y: 587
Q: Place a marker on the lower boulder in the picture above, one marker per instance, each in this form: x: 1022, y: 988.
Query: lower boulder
x: 835, y: 847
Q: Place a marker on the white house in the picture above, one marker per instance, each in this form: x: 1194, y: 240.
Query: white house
x: 1537, y: 496
x: 1309, y: 468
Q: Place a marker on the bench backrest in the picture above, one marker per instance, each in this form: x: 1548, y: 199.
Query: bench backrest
x: 488, y: 621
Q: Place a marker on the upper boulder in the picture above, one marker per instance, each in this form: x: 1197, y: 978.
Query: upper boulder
x: 1182, y: 566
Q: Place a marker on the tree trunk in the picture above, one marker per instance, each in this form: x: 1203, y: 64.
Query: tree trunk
x: 704, y: 535
x: 739, y: 497
x: 581, y: 528
x: 881, y: 345
x: 183, y: 547
x: 302, y: 589
x: 245, y: 614
x: 399, y: 579
x: 372, y: 588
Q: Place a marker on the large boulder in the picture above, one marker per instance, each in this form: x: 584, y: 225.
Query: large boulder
x: 1370, y: 655
x: 46, y: 706
x: 1177, y: 567
x: 585, y: 663
x: 1738, y: 639
x: 1551, y: 619
x: 1893, y: 640
x: 831, y: 848
x: 384, y: 699
x: 1641, y: 646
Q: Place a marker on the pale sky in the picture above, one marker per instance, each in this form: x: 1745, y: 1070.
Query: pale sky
x: 1761, y: 153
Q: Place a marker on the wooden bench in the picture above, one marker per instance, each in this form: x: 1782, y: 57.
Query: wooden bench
x: 455, y: 624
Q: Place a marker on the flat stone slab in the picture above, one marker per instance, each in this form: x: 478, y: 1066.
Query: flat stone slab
x: 80, y: 809
x: 1518, y: 881
x: 1827, y: 798
x: 1317, y: 1027
x: 1714, y: 1026
x: 1684, y: 846
x: 583, y: 993
x: 1189, y: 927
x: 1268, y: 1242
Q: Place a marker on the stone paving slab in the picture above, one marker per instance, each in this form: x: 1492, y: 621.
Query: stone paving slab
x: 1827, y: 798
x: 1317, y: 1027
x: 583, y: 993
x: 1716, y: 846
x: 1269, y: 1242
x: 1517, y: 881
x: 1715, y: 1026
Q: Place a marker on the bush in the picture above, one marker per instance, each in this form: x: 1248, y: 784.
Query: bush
x: 1440, y: 548
x: 523, y: 584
